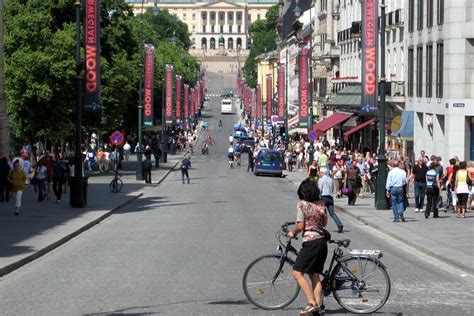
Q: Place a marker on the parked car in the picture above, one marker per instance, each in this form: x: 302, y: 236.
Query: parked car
x: 268, y: 162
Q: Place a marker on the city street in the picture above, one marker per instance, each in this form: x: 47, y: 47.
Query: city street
x: 183, y: 248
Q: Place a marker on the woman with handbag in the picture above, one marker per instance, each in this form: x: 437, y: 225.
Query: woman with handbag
x: 461, y: 187
x: 311, y: 218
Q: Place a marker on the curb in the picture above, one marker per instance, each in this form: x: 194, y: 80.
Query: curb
x: 13, y: 266
x: 401, y: 240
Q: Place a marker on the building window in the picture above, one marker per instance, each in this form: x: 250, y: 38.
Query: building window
x: 401, y: 35
x: 239, y: 16
x: 194, y: 28
x: 429, y: 13
x: 212, y: 29
x: 440, y: 15
x: 429, y: 71
x: 184, y: 16
x: 249, y: 17
x: 419, y: 71
x: 204, y: 29
x: 439, y: 70
x: 230, y: 16
x: 239, y: 29
x: 411, y: 72
x: 258, y: 16
x: 419, y: 15
x: 204, y: 15
x: 213, y: 15
x: 411, y: 15
x: 221, y: 28
x: 194, y: 16
x: 230, y: 28
x: 221, y: 16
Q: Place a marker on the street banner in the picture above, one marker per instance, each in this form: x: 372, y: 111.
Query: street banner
x: 191, y: 103
x: 186, y: 103
x: 169, y: 95
x: 269, y: 98
x: 303, y: 85
x: 178, y: 99
x: 281, y: 93
x: 369, y: 56
x: 149, y: 84
x: 259, y: 102
x: 92, y: 54
x: 254, y: 106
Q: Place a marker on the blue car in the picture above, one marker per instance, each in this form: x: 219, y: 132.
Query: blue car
x: 268, y: 162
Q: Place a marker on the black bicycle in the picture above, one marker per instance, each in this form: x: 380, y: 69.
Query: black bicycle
x: 116, y: 184
x: 358, y: 280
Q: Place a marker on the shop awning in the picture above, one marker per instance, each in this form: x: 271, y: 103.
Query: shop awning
x: 357, y: 128
x: 406, y: 130
x: 331, y: 121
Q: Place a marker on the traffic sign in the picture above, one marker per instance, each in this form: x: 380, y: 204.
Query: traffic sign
x: 117, y: 138
x: 312, y: 135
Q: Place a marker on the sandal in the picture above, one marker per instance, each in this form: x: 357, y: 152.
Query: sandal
x: 309, y: 309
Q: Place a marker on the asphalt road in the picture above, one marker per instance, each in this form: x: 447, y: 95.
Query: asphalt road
x: 183, y: 248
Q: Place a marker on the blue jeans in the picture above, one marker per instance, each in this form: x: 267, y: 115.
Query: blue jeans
x: 420, y: 189
x: 398, y: 201
x: 329, y: 203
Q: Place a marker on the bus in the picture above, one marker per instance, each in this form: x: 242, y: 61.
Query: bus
x: 226, y: 106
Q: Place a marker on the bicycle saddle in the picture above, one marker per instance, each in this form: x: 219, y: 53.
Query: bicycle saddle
x: 345, y: 242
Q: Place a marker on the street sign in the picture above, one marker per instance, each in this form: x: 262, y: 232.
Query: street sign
x: 312, y: 135
x: 274, y: 120
x: 117, y: 138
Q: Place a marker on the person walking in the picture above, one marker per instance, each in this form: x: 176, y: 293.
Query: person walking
x: 353, y: 182
x: 127, y: 150
x: 4, y: 183
x: 185, y: 165
x: 311, y: 218
x: 418, y: 176
x: 338, y: 172
x: 396, y: 180
x: 17, y: 179
x: 58, y: 178
x: 250, y: 164
x: 461, y: 187
x: 157, y: 154
x: 433, y: 185
x: 313, y: 170
x: 41, y: 174
x: 147, y: 166
x: 326, y: 187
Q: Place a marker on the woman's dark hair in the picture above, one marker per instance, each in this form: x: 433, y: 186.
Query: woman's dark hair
x: 452, y: 161
x: 462, y: 165
x: 308, y: 191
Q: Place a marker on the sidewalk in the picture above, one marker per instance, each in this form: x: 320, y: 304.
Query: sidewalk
x: 41, y: 227
x: 447, y: 238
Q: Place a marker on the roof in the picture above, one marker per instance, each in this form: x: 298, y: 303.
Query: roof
x: 347, y: 97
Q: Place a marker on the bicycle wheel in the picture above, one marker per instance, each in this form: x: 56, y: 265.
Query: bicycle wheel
x: 116, y: 185
x: 264, y: 292
x: 365, y: 295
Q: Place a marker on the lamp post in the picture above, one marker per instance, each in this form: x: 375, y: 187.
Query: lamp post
x: 77, y: 189
x: 380, y: 201
x: 139, y: 148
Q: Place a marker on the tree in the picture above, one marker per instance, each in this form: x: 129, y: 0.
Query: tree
x: 263, y: 34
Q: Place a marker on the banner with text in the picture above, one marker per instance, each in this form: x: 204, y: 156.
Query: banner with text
x: 259, y: 102
x: 149, y: 83
x: 169, y: 95
x: 303, y: 86
x: 92, y: 54
x: 369, y: 56
x: 269, y: 98
x: 281, y: 93
x: 186, y: 103
x: 178, y: 99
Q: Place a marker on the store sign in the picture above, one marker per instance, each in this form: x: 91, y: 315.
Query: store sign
x: 92, y: 56
x: 149, y: 83
x: 369, y: 56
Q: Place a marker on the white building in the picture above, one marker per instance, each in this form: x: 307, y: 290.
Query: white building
x: 439, y: 75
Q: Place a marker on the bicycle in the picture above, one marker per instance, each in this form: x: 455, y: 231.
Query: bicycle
x: 116, y: 184
x: 353, y: 278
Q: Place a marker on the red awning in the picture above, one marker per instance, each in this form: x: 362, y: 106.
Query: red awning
x: 331, y: 121
x: 357, y: 128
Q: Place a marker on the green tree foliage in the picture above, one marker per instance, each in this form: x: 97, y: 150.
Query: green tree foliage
x: 263, y: 34
x: 40, y: 65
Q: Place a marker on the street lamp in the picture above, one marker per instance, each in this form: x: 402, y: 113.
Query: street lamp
x: 380, y: 201
x: 77, y: 189
x: 139, y: 149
